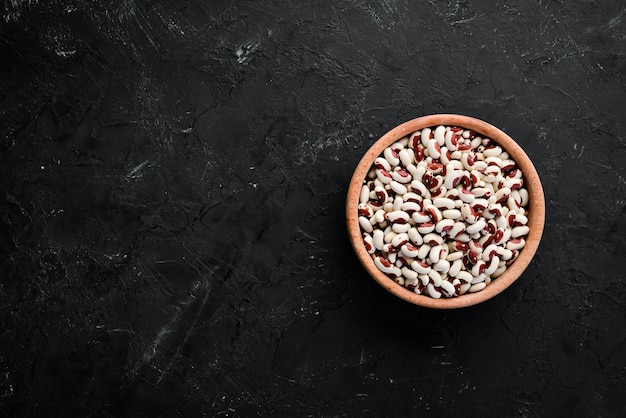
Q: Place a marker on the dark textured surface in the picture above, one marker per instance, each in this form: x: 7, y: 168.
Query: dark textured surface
x: 172, y: 194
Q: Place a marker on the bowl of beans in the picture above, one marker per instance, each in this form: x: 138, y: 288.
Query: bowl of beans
x: 445, y: 211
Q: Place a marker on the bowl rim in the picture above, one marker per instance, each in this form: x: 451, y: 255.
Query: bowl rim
x: 536, y: 209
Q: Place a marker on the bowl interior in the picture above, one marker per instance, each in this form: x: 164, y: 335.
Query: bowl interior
x: 535, y: 209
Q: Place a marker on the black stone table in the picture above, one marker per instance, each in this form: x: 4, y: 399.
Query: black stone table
x: 172, y: 208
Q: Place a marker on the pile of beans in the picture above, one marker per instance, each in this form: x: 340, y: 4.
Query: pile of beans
x: 442, y: 211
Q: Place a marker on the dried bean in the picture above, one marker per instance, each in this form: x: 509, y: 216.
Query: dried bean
x: 443, y: 211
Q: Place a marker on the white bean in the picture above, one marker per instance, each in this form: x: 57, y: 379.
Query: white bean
x: 499, y: 271
x: 455, y: 255
x: 378, y: 239
x: 391, y: 156
x: 406, y: 157
x: 364, y: 196
x: 524, y: 197
x: 400, y: 228
x: 419, y: 188
x: 398, y: 187
x: 477, y: 287
x: 435, y: 277
x: 451, y: 214
x: 398, y: 216
x: 369, y: 244
x: 420, y: 217
x: 425, y: 228
x: 464, y: 276
x: 449, y: 141
x: 433, y: 149
x: 420, y: 267
x: 444, y: 225
x: 442, y: 265
x: 464, y: 288
x: 466, y: 196
x: 384, y: 265
x: 382, y: 163
x: 476, y: 227
x: 400, y: 239
x: 447, y: 288
x: 397, y: 202
x: 423, y: 251
x: 455, y: 268
x: 515, y: 244
x: 415, y: 236
x: 383, y: 176
x: 492, y: 266
x: 409, y: 250
x: 520, y: 231
x: 443, y: 203
x: 432, y: 292
x: 410, y: 207
x: 439, y: 134
x: 435, y: 254
x: 433, y: 239
x: 408, y: 273
x: 365, y: 224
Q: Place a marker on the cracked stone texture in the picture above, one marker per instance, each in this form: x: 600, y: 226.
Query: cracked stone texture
x: 173, y: 177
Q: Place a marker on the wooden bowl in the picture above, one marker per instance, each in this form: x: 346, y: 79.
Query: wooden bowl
x: 535, y: 210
